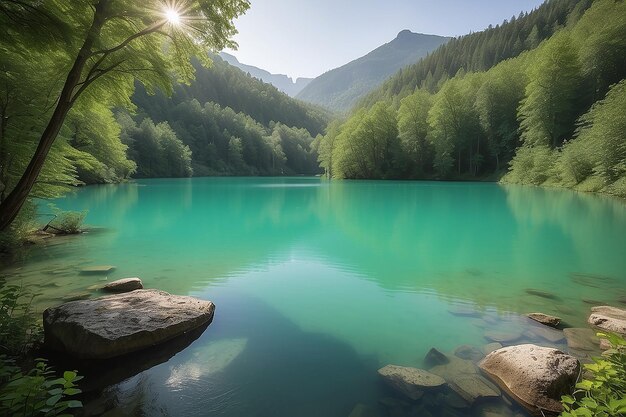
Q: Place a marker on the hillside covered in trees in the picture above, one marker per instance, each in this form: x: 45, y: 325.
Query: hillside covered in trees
x: 228, y: 123
x: 554, y: 114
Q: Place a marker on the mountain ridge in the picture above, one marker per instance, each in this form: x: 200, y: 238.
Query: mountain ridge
x: 283, y: 82
x: 340, y: 88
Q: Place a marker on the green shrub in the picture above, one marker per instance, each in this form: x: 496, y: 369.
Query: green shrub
x: 36, y: 393
x: 67, y: 222
x: 605, y: 394
x: 24, y: 224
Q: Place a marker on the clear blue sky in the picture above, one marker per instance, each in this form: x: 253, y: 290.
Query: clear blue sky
x: 304, y: 38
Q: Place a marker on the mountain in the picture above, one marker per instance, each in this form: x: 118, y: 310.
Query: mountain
x: 284, y: 83
x: 341, y: 88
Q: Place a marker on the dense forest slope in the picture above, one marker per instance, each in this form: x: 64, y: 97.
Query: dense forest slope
x: 553, y: 114
x: 230, y: 123
x: 339, y: 89
x: 284, y: 83
x: 481, y: 50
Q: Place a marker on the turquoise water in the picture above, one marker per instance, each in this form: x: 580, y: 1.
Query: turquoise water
x: 318, y: 284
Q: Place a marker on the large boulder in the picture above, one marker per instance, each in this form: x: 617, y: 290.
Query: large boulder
x: 610, y: 319
x: 111, y: 326
x: 123, y: 285
x: 534, y: 376
x: 410, y: 381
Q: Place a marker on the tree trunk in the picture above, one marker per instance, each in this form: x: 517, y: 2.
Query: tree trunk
x: 11, y: 206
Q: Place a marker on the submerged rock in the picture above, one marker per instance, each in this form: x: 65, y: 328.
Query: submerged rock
x: 503, y: 336
x: 542, y: 294
x: 124, y: 285
x: 362, y: 410
x: 410, y: 381
x: 490, y: 347
x: 582, y: 339
x: 434, y: 358
x: 546, y: 319
x: 471, y: 353
x: 96, y: 270
x: 610, y: 319
x: 551, y: 335
x: 111, y: 326
x: 534, y: 376
x: 463, y: 378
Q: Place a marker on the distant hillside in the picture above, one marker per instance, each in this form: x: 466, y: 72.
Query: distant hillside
x: 481, y: 50
x: 284, y: 83
x: 224, y: 123
x: 339, y: 89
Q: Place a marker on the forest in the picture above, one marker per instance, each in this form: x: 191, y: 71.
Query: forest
x: 549, y: 116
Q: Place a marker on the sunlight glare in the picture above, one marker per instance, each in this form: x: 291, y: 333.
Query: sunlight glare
x: 172, y: 16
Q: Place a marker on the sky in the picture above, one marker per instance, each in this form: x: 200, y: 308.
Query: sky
x: 305, y: 38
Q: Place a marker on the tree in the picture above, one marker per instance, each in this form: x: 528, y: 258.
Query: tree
x: 549, y: 109
x: 413, y: 130
x: 106, y: 46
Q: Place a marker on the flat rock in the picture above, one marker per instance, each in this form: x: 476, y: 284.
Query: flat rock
x: 112, y: 326
x: 124, y: 285
x: 536, y: 377
x: 74, y: 296
x: 98, y: 269
x: 470, y: 353
x: 546, y: 319
x: 610, y: 319
x: 464, y: 311
x: 583, y: 339
x: 410, y: 381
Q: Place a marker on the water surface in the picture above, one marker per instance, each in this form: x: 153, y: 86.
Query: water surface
x: 318, y: 284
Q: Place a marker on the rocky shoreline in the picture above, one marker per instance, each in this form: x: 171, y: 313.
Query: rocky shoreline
x: 500, y: 378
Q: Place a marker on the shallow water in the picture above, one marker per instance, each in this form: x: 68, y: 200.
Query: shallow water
x: 318, y: 284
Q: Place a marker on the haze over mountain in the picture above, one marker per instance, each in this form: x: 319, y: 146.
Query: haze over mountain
x: 283, y: 82
x: 340, y: 88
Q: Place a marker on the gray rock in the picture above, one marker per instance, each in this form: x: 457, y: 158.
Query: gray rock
x: 470, y: 353
x: 582, y: 339
x: 410, y: 381
x: 546, y: 319
x: 123, y: 285
x: 434, y: 358
x: 610, y: 319
x: 111, y: 326
x: 536, y: 377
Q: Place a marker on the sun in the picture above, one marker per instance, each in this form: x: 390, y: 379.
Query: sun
x: 172, y: 16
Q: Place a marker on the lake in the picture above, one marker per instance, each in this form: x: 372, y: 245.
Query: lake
x: 318, y: 284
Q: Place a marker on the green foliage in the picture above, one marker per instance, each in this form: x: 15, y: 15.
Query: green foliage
x: 66, y: 222
x: 38, y: 392
x: 483, y: 50
x: 368, y: 145
x: 19, y: 328
x: 13, y: 238
x: 413, y: 130
x: 604, y: 395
